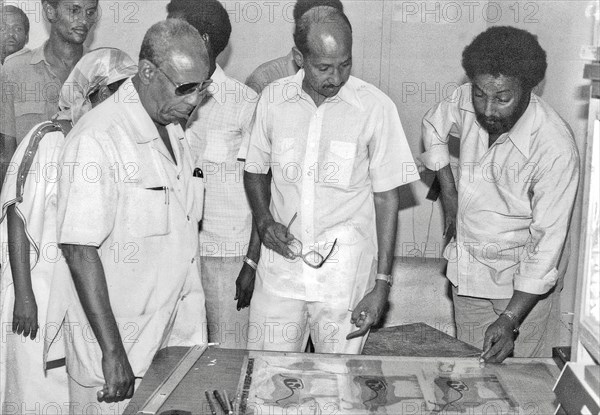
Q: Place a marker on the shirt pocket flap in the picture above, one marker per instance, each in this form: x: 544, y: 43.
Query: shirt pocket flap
x: 343, y: 149
x: 147, y: 211
x: 29, y: 107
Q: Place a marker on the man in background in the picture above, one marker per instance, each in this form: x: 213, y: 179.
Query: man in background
x: 509, y: 214
x: 31, y: 80
x: 285, y: 66
x: 218, y: 132
x: 14, y: 31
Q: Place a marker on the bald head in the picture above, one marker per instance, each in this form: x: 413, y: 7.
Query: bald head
x: 322, y: 28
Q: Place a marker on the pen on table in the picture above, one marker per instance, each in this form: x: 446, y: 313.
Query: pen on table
x: 228, y: 403
x: 220, y: 400
x: 213, y: 409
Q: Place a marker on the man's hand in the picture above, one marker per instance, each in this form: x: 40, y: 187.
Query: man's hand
x: 25, y: 316
x: 244, y: 286
x: 499, y: 341
x: 118, y: 377
x: 275, y: 236
x: 369, y: 310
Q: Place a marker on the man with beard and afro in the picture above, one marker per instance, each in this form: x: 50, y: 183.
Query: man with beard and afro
x: 507, y: 214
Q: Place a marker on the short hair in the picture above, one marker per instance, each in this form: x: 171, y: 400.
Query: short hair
x: 508, y: 51
x: 207, y: 16
x: 10, y: 9
x: 302, y: 6
x: 159, y: 39
x: 303, y: 25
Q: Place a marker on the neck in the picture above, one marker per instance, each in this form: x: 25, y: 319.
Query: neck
x: 317, y: 98
x: 65, y: 52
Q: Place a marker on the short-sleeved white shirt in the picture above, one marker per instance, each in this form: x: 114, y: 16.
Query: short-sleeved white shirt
x: 327, y: 162
x: 218, y: 132
x: 121, y: 191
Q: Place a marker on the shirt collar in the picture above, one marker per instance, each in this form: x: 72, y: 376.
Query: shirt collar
x: 38, y: 55
x: 520, y: 133
x: 347, y: 93
x: 146, y: 130
x: 219, y: 79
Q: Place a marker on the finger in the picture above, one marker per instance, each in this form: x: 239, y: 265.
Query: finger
x: 102, y: 393
x: 130, y: 391
x: 488, y: 341
x: 491, y: 355
x: 15, y: 325
x: 26, y: 329
x: 34, y: 330
x: 20, y: 327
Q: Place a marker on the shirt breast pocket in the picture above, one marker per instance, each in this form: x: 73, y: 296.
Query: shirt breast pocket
x: 339, y: 162
x: 147, y: 211
x: 283, y: 152
x: 23, y: 108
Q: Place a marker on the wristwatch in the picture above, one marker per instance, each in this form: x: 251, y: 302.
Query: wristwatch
x: 384, y: 277
x: 514, y: 319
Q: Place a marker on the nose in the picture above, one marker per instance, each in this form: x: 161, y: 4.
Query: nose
x: 490, y: 108
x: 194, y: 98
x: 336, y: 77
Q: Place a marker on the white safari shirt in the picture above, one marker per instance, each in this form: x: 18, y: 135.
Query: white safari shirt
x: 121, y: 191
x: 218, y: 132
x: 514, y: 198
x: 327, y: 161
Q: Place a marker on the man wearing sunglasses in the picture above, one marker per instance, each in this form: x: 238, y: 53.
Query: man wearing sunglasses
x: 128, y: 216
x: 338, y: 153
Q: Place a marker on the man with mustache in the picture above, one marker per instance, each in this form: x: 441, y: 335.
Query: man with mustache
x: 129, y: 229
x: 31, y: 80
x: 338, y: 153
x: 509, y: 213
x: 14, y: 31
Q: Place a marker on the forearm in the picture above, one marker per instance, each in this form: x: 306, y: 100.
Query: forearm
x: 18, y: 251
x: 8, y: 145
x: 447, y: 183
x: 254, y: 245
x: 258, y: 190
x: 90, y: 283
x: 386, y: 219
x: 521, y: 303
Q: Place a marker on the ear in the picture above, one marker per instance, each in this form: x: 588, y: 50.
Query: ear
x: 146, y: 71
x: 298, y: 57
x: 50, y: 12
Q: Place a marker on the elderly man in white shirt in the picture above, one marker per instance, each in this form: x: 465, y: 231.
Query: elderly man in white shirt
x: 338, y: 153
x: 517, y: 180
x: 128, y: 213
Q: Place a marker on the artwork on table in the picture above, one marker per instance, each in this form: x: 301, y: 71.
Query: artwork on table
x: 280, y: 384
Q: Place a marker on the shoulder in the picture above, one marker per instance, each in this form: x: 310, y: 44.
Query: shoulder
x: 16, y: 62
x: 235, y: 85
x: 550, y: 130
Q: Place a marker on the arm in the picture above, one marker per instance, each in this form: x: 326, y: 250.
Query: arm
x: 8, y: 145
x: 273, y: 235
x: 370, y: 309
x: 25, y: 308
x: 554, y: 188
x: 244, y: 285
x: 90, y: 283
x: 449, y: 198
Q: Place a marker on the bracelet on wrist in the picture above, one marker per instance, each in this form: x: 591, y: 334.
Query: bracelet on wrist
x: 250, y: 262
x: 513, y: 319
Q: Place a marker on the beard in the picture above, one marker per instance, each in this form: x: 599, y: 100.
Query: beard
x: 501, y: 125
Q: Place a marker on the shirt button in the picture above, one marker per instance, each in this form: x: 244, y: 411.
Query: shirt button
x: 178, y: 176
x: 193, y: 260
x: 188, y: 218
x: 310, y: 173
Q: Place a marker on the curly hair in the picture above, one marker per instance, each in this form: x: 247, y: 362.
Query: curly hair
x: 207, y: 16
x: 508, y: 51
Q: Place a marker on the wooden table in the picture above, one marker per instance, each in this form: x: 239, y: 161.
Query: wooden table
x: 221, y: 368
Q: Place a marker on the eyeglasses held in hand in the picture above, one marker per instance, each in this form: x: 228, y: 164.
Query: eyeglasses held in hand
x: 186, y: 88
x: 312, y: 258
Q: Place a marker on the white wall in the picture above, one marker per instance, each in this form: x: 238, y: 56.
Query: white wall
x: 410, y: 49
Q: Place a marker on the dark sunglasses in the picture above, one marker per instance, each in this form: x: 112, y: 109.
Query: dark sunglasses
x: 182, y: 89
